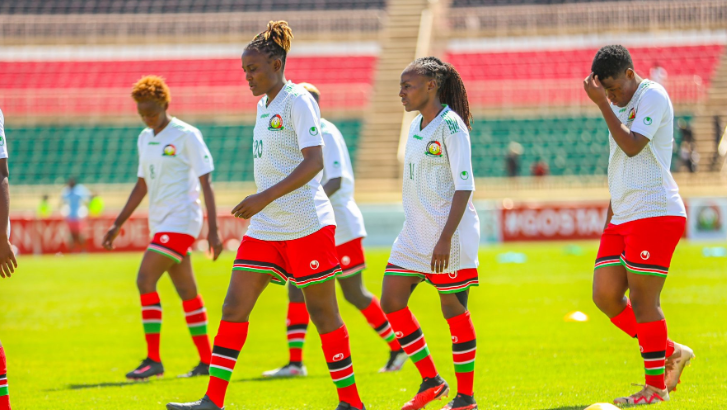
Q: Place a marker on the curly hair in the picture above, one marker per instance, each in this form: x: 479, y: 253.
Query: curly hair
x: 451, y: 87
x: 611, y: 61
x: 274, y: 41
x: 151, y: 88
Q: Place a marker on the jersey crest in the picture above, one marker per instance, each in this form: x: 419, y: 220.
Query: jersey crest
x: 434, y: 149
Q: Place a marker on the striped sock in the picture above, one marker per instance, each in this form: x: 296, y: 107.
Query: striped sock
x: 412, y: 341
x: 652, y: 341
x: 196, y: 317
x: 228, y: 343
x: 151, y: 317
x: 338, y: 356
x: 297, y: 323
x: 4, y: 393
x: 464, y: 348
x: 626, y: 321
x: 377, y: 320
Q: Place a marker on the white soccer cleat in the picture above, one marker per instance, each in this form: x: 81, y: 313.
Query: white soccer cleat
x: 289, y: 370
x: 647, y: 395
x: 396, y: 361
x: 675, y: 365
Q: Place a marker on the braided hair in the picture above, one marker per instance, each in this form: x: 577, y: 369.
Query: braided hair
x: 274, y: 41
x: 451, y: 87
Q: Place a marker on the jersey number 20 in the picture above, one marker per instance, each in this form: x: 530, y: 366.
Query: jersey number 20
x: 257, y: 149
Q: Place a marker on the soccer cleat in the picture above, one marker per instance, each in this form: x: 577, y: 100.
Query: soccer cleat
x: 675, y: 365
x: 345, y: 406
x: 201, y: 369
x: 289, y: 370
x: 203, y: 404
x: 148, y: 368
x: 431, y: 389
x: 396, y: 361
x: 647, y: 395
x: 461, y: 402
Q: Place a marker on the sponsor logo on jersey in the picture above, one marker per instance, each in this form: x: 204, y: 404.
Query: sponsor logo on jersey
x: 632, y: 114
x: 434, y: 148
x: 645, y: 255
x: 417, y: 137
x: 314, y: 264
x: 153, y: 143
x: 345, y: 260
x: 266, y: 115
x: 338, y: 356
x: 464, y: 175
x: 313, y: 131
x: 169, y: 151
x: 276, y: 123
x: 648, y: 120
x: 454, y: 339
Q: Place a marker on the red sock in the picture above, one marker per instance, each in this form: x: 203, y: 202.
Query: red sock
x: 626, y: 321
x: 196, y: 316
x: 652, y: 340
x: 151, y: 317
x: 228, y: 343
x: 4, y: 393
x: 297, y: 323
x: 338, y: 357
x: 377, y: 320
x: 412, y: 341
x: 464, y: 348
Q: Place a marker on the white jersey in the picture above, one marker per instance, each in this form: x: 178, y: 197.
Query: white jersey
x: 171, y: 163
x: 438, y: 162
x: 290, y: 123
x: 3, y: 149
x: 642, y: 186
x: 337, y: 164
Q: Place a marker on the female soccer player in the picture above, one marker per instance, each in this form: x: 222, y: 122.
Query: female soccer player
x: 338, y: 184
x: 173, y: 163
x: 441, y: 233
x: 292, y: 225
x: 646, y: 216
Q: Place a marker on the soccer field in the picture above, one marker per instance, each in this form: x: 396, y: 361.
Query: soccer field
x: 71, y: 328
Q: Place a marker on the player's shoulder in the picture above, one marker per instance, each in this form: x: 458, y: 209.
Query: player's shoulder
x: 452, y: 123
x: 184, y: 129
x: 654, y: 91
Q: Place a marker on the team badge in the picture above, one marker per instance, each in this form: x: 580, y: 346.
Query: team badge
x: 632, y: 114
x: 164, y: 238
x: 313, y: 131
x: 434, y: 148
x: 645, y: 255
x: 169, y: 151
x: 314, y: 264
x: 464, y: 175
x: 345, y: 260
x: 276, y: 123
x: 648, y: 121
x: 338, y: 356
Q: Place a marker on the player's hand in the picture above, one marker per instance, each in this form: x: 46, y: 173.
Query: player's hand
x: 108, y: 238
x: 215, y: 244
x: 250, y: 206
x: 595, y: 90
x: 7, y: 259
x: 440, y: 256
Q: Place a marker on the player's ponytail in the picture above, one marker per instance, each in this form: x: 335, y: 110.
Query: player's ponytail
x: 274, y: 41
x: 451, y: 87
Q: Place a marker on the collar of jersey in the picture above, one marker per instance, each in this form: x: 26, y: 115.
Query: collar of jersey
x: 164, y: 130
x: 445, y: 107
x: 266, y: 104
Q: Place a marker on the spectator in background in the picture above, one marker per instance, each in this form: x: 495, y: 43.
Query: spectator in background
x: 512, y: 161
x: 718, y: 132
x: 95, y: 206
x: 658, y: 74
x: 688, y: 156
x: 539, y: 168
x: 44, y: 210
x: 75, y: 198
x: 685, y: 129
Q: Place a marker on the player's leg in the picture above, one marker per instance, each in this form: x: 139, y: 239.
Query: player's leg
x: 398, y: 286
x: 195, y: 313
x: 4, y: 393
x: 297, y: 326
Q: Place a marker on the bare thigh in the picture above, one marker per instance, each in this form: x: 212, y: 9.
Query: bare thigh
x: 610, y: 284
x: 182, y: 276
x: 645, y: 293
x: 242, y: 294
x: 153, y: 266
x: 396, y: 292
x: 320, y: 300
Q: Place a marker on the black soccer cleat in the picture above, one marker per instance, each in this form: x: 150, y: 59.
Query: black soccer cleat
x: 148, y: 368
x: 345, y: 406
x: 203, y: 404
x: 199, y: 370
x: 462, y: 402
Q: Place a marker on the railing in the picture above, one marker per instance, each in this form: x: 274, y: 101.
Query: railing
x: 587, y: 18
x: 153, y: 28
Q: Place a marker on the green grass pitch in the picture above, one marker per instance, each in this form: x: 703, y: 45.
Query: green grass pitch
x: 71, y: 328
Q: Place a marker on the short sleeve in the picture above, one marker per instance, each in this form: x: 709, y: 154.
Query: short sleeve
x: 199, y: 155
x: 140, y: 170
x: 459, y: 151
x: 650, y: 113
x: 3, y: 140
x: 332, y: 155
x: 306, y: 121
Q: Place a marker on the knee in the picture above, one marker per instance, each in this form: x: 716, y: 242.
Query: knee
x: 145, y: 283
x: 187, y: 292
x: 392, y: 303
x: 234, y: 311
x: 452, y: 309
x: 360, y: 299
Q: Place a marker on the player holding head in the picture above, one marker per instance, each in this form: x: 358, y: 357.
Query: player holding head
x: 441, y: 233
x: 8, y: 264
x: 646, y: 216
x: 292, y: 225
x: 174, y: 163
x: 338, y: 184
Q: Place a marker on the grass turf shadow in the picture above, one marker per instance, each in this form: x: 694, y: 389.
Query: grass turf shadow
x: 581, y: 407
x: 107, y: 384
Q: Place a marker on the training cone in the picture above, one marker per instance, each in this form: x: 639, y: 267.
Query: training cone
x: 576, y: 317
x: 602, y: 406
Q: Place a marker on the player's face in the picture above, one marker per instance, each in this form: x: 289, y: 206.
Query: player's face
x: 414, y: 90
x: 620, y: 90
x: 151, y: 113
x: 261, y: 73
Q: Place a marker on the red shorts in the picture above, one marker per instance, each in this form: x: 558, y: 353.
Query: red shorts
x: 304, y: 261
x: 172, y: 245
x: 76, y: 226
x: 351, y: 256
x: 643, y: 246
x: 453, y: 282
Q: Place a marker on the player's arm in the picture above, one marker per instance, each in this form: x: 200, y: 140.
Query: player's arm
x: 7, y: 257
x: 213, y: 237
x: 332, y: 185
x: 137, y: 195
x: 631, y: 143
x: 332, y: 160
